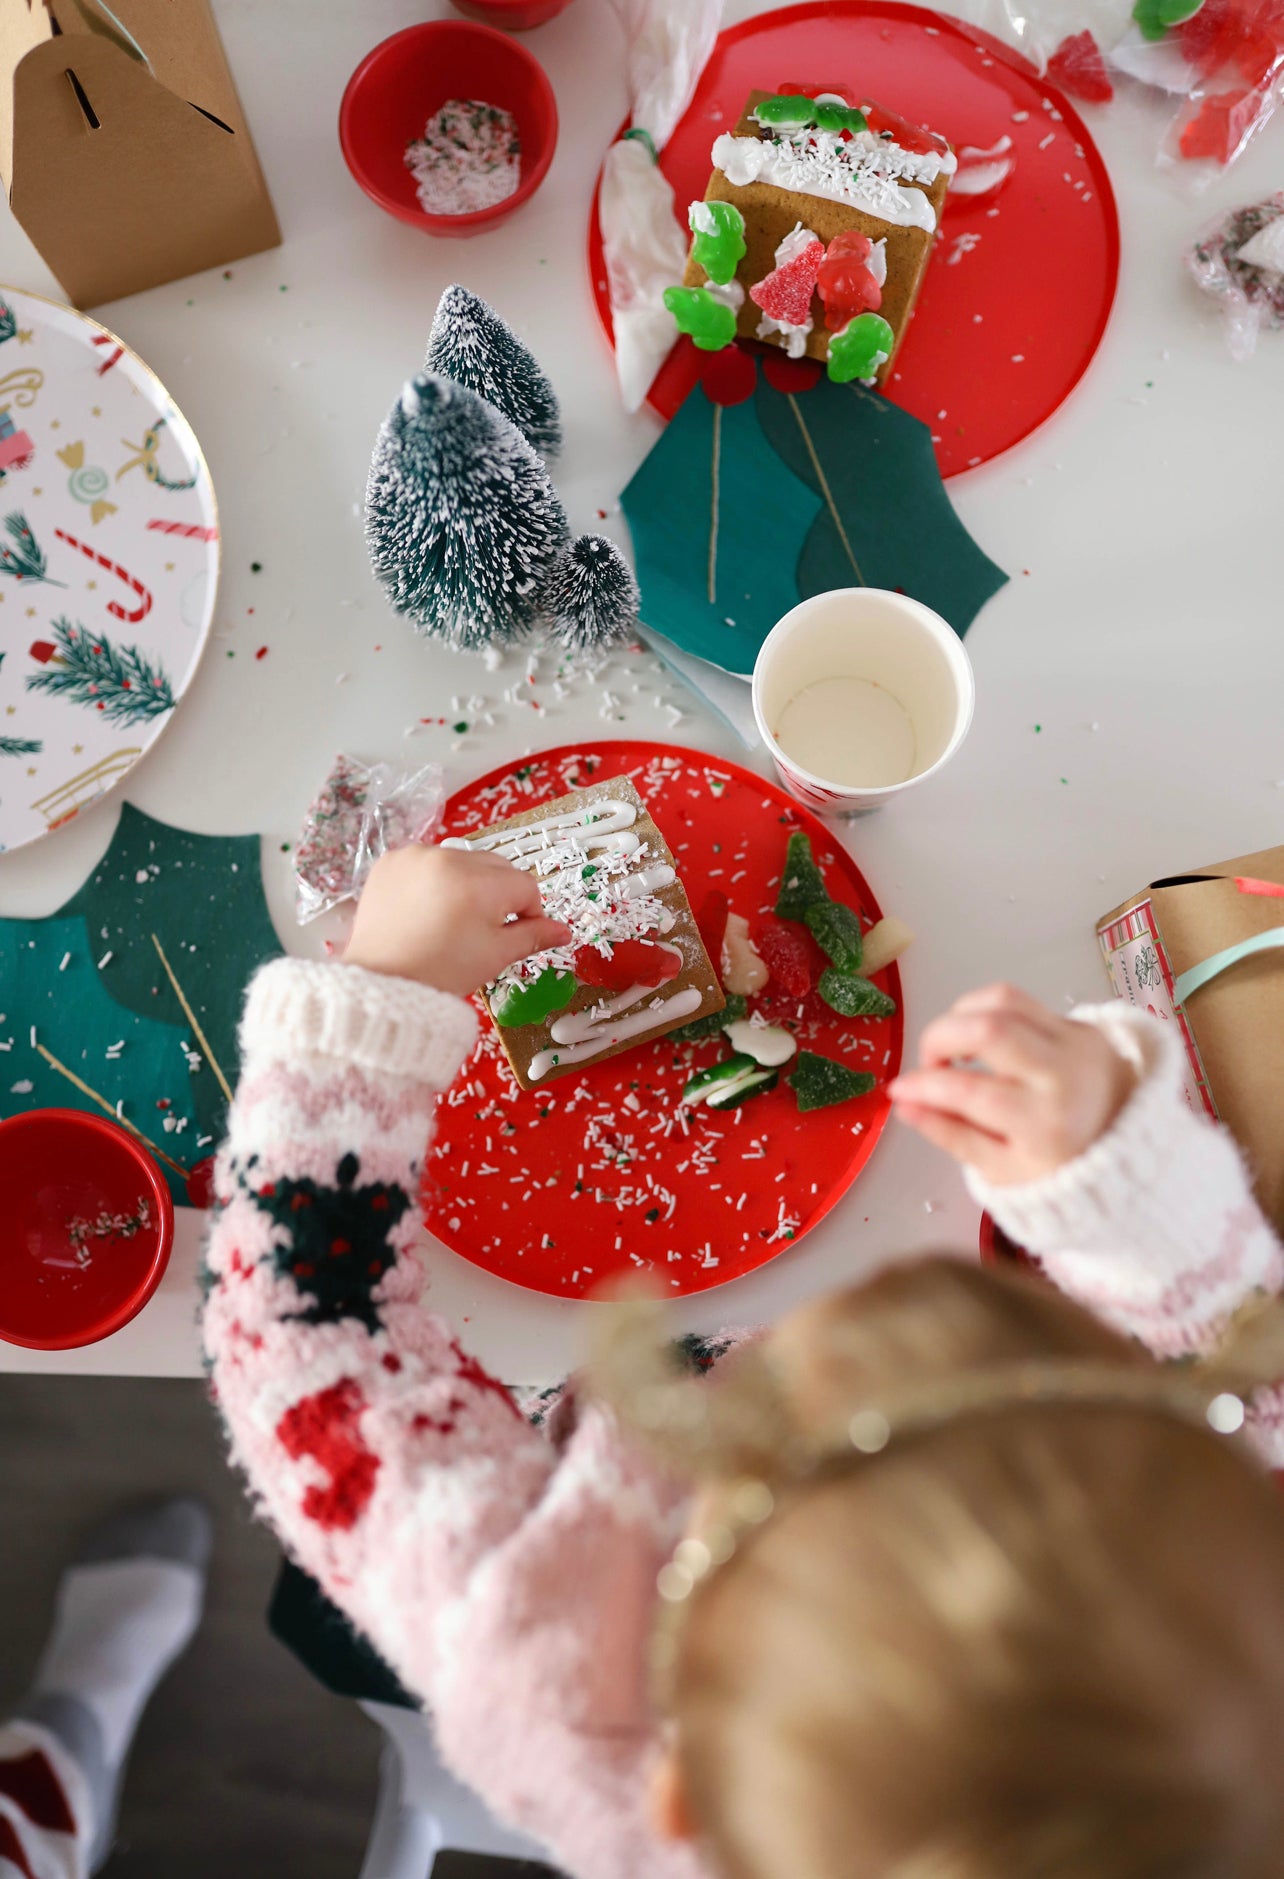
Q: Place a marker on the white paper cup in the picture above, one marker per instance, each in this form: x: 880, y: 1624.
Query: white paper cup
x: 859, y: 694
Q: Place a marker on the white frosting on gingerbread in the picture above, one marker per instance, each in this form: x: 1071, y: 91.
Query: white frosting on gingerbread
x: 865, y: 172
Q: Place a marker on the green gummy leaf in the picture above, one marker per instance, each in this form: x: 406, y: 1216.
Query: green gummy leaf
x: 820, y: 1082
x: 801, y: 884
x: 837, y: 931
x: 709, y: 323
x: 719, y: 245
x: 854, y: 997
x: 835, y: 117
x: 859, y: 350
x: 711, y: 1025
x: 790, y: 111
x: 1154, y: 17
x: 531, y: 1004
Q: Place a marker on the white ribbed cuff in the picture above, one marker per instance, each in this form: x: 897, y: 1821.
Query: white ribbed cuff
x: 1087, y: 1201
x: 367, y: 1018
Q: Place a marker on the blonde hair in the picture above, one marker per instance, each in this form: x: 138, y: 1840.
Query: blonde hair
x: 1043, y: 1643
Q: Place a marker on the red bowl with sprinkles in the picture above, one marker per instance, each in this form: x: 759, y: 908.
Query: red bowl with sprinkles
x: 86, y: 1230
x: 403, y: 84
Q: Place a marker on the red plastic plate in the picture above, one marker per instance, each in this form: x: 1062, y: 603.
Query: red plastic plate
x: 600, y: 1174
x: 1020, y: 288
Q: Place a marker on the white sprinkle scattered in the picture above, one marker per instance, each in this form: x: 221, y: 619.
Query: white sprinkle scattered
x: 105, y: 960
x: 64, y: 962
x: 23, y: 1088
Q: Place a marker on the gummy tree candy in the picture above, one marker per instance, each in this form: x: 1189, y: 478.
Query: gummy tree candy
x: 713, y: 1022
x: 846, y: 283
x: 1154, y: 17
x: 837, y: 931
x: 785, y: 294
x: 820, y: 1082
x: 859, y: 350
x: 801, y: 883
x: 531, y: 1004
x: 710, y: 323
x: 787, y: 956
x: 854, y: 997
x: 1078, y: 68
x: 632, y: 962
x: 788, y: 111
x: 719, y: 246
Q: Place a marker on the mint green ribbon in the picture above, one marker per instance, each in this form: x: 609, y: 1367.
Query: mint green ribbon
x: 1230, y: 956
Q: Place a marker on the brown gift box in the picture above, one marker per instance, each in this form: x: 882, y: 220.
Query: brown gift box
x: 1233, y: 1025
x: 126, y: 170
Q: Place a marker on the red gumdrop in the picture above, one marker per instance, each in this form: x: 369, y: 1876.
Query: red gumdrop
x: 728, y: 377
x: 632, y: 962
x: 200, y: 1183
x: 711, y: 923
x: 788, y: 375
x: 784, y: 951
x: 845, y: 282
x: 785, y: 294
x: 1208, y: 39
x: 1078, y: 68
x: 1220, y: 125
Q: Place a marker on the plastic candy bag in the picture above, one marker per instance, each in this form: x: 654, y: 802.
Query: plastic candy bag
x: 1240, y: 259
x: 361, y: 812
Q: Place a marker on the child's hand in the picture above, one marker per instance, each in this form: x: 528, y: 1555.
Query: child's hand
x: 443, y: 916
x: 1050, y: 1087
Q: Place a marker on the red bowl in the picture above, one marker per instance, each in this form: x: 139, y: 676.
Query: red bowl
x: 62, y: 1283
x: 397, y: 87
x: 515, y: 16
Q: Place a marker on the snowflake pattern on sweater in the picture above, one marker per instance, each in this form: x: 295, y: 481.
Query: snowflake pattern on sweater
x: 506, y: 1569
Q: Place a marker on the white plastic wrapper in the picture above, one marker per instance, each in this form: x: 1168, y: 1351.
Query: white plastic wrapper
x: 669, y: 42
x: 361, y: 812
x: 1239, y: 259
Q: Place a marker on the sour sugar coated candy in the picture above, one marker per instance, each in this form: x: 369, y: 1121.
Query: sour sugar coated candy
x: 854, y: 997
x: 801, y: 882
x: 785, y: 294
x: 820, y: 1082
x: 837, y: 932
x: 709, y: 323
x: 859, y: 350
x: 719, y: 245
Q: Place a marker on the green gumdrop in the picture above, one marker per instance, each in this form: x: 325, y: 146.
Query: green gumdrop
x: 1154, y: 17
x: 801, y: 884
x: 710, y: 324
x: 786, y: 112
x: 531, y: 1004
x: 861, y: 347
x: 840, y: 117
x: 854, y: 997
x: 721, y: 251
x: 837, y: 932
x: 820, y: 1082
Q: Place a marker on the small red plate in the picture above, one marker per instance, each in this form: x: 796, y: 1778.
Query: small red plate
x: 85, y: 1231
x: 1020, y: 287
x: 602, y: 1173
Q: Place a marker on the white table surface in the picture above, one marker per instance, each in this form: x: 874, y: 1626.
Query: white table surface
x: 1147, y: 637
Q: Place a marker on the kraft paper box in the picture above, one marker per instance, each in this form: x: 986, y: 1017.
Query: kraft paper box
x: 123, y: 147
x: 1233, y: 1025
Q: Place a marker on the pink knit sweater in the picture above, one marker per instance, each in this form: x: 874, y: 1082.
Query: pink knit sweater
x: 507, y: 1576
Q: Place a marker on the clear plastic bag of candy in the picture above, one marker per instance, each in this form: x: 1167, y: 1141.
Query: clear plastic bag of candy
x: 1239, y: 259
x: 360, y: 812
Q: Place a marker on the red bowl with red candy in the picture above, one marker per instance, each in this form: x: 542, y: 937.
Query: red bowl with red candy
x: 462, y: 96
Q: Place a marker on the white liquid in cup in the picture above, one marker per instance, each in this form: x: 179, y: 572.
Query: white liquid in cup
x: 859, y: 693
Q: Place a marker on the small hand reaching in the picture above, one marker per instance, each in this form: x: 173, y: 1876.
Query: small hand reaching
x: 1011, y: 1089
x: 449, y: 918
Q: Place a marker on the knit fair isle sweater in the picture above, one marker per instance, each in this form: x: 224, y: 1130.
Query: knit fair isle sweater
x: 507, y: 1573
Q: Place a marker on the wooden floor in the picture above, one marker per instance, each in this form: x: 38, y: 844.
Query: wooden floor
x: 243, y: 1764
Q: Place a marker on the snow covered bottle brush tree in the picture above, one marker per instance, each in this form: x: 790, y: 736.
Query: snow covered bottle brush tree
x: 467, y: 535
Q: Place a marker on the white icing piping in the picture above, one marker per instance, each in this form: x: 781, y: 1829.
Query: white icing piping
x: 585, y: 1034
x: 795, y: 337
x: 822, y: 164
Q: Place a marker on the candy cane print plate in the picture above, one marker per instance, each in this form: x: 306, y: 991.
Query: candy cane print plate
x: 108, y: 562
x: 605, y: 1172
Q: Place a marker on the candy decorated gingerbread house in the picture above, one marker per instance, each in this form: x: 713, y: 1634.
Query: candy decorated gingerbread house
x: 636, y: 967
x: 815, y: 231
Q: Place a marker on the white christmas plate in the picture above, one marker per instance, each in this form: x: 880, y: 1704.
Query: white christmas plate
x: 108, y: 562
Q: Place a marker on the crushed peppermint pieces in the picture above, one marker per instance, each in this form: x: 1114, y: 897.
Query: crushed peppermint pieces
x: 469, y: 158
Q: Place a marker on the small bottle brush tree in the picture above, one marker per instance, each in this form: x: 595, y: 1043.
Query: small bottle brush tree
x: 462, y: 522
x: 591, y: 598
x: 470, y: 344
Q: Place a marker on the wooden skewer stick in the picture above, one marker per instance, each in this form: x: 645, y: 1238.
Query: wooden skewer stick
x: 192, y: 1019
x: 124, y: 1121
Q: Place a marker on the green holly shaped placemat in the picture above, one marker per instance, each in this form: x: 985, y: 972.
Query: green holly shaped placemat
x: 741, y: 511
x: 159, y: 890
